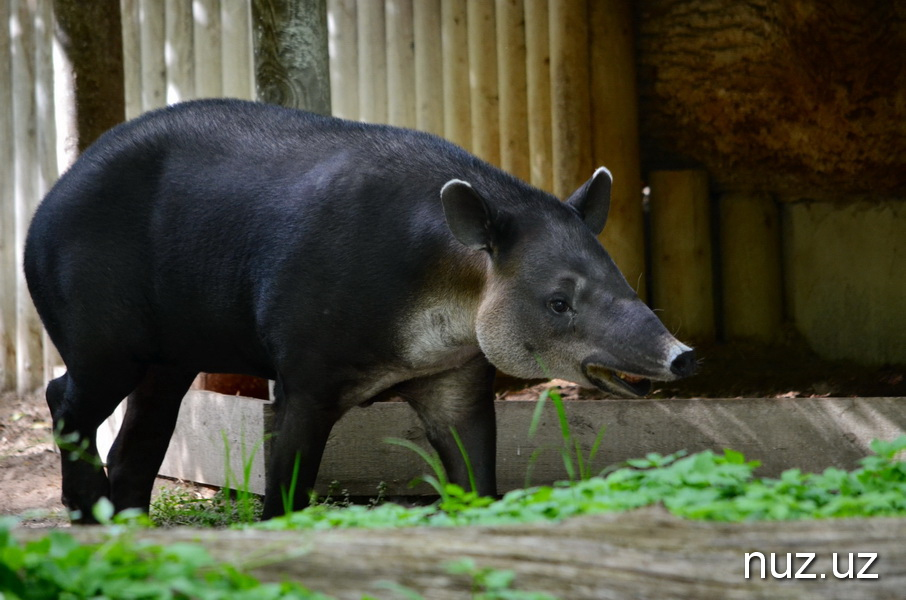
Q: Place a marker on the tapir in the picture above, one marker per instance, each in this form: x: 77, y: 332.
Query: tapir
x: 342, y: 260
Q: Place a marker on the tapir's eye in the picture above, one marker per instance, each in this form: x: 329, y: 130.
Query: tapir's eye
x: 558, y: 305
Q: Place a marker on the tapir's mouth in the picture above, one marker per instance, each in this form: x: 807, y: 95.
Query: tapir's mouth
x: 617, y: 382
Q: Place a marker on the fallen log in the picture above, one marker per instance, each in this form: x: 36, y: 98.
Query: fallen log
x: 643, y: 554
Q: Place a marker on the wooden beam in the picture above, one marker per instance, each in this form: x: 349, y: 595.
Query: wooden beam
x: 751, y: 280
x: 153, y: 26
x: 8, y: 281
x: 538, y: 83
x: 616, y: 133
x: 179, y: 49
x: 291, y: 63
x: 400, y: 63
x: 372, y: 35
x: 511, y: 66
x: 208, y: 48
x: 344, y: 58
x: 681, y: 253
x: 130, y: 11
x: 429, y: 67
x: 485, y: 106
x: 457, y: 99
x: 238, y: 70
x: 570, y: 100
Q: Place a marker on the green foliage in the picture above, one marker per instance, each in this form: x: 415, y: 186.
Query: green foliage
x: 58, y: 567
x: 180, y: 508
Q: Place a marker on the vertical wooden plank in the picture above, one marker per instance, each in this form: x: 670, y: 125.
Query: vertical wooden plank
x: 681, y: 253
x: 482, y: 34
x: 45, y: 109
x: 152, y: 19
x: 400, y: 63
x: 29, y: 352
x: 750, y: 266
x: 457, y: 102
x: 511, y: 65
x: 429, y: 80
x: 570, y: 101
x: 132, y: 56
x: 372, y: 61
x: 179, y: 50
x: 538, y: 82
x: 237, y: 64
x: 344, y: 58
x: 616, y: 133
x: 291, y: 64
x: 208, y: 30
x: 7, y: 209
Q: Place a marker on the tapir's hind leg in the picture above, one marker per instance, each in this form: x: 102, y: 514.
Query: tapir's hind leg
x: 144, y: 435
x: 78, y: 406
x: 460, y: 399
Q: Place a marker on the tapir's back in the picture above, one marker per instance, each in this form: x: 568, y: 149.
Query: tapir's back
x: 179, y: 229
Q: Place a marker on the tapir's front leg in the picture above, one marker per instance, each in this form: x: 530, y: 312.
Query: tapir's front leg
x: 461, y: 399
x: 302, y: 425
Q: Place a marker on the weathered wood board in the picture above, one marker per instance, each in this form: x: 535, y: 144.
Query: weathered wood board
x: 807, y: 433
x: 642, y: 554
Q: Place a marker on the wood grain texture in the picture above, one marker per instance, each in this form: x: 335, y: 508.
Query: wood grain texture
x: 642, y: 554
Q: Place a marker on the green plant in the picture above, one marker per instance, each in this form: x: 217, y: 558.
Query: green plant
x: 577, y: 465
x: 248, y: 508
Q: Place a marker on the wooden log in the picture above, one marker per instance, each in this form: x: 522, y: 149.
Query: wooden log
x: 485, y: 106
x: 538, y: 82
x: 570, y: 101
x: 511, y: 65
x: 153, y: 23
x: 372, y: 35
x: 130, y: 11
x: 209, y: 48
x: 400, y: 63
x: 344, y: 58
x: 681, y: 253
x: 616, y: 133
x: 457, y: 99
x: 7, y: 209
x: 29, y: 351
x: 236, y: 43
x: 291, y: 64
x: 646, y: 553
x: 179, y: 50
x: 429, y: 69
x: 751, y: 280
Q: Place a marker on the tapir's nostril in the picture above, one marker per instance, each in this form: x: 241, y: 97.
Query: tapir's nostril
x: 684, y: 364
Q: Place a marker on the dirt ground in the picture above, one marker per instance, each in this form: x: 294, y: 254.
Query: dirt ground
x: 29, y: 466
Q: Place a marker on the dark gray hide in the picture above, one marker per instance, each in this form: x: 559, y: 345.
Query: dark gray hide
x: 341, y: 259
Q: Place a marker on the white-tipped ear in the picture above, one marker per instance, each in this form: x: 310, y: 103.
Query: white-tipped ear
x: 467, y: 214
x: 592, y: 200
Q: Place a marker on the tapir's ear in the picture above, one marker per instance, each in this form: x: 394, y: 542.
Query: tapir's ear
x: 467, y: 213
x: 592, y: 200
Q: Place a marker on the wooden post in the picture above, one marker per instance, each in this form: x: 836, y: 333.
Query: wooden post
x: 344, y: 58
x: 179, y: 50
x: 400, y: 63
x: 457, y: 101
x: 7, y: 209
x: 153, y: 23
x: 29, y: 352
x: 750, y: 266
x: 209, y: 48
x: 681, y: 253
x: 511, y: 62
x: 570, y: 101
x: 372, y: 61
x: 616, y: 133
x: 291, y: 64
x: 429, y: 67
x: 132, y: 57
x: 238, y: 66
x: 538, y: 82
x: 482, y: 33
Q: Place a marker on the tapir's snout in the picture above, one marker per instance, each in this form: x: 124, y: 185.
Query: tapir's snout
x: 684, y: 365
x: 633, y: 382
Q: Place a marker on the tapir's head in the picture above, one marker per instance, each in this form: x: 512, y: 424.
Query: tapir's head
x: 554, y: 303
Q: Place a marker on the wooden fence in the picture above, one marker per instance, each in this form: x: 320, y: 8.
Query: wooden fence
x: 544, y: 88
